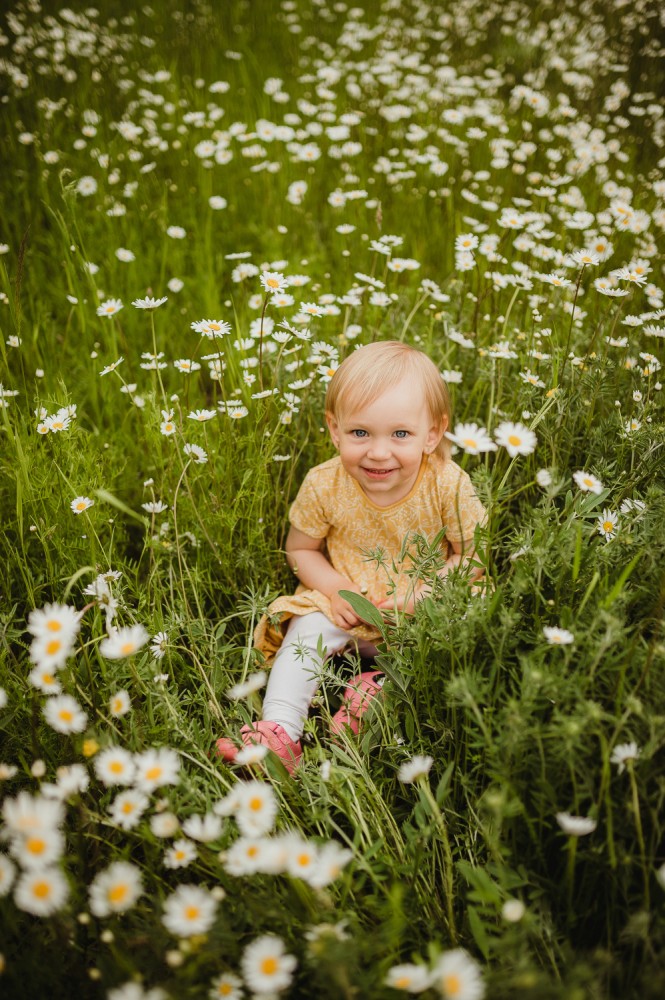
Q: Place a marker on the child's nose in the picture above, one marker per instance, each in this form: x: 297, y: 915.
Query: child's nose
x: 378, y: 449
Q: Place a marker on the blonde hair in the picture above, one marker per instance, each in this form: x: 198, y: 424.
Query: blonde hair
x: 367, y: 373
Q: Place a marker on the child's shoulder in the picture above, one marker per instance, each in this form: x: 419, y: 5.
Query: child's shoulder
x: 326, y: 473
x: 444, y: 470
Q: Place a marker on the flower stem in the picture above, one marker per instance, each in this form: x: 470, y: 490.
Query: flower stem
x: 640, y: 832
x: 448, y: 869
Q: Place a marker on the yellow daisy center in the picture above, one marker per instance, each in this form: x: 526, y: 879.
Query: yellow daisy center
x: 116, y: 767
x: 42, y: 890
x: 256, y: 803
x: 252, y: 852
x: 470, y: 442
x: 128, y: 807
x: 192, y: 912
x: 81, y: 505
x: 35, y: 845
x: 127, y: 647
x: 54, y: 625
x: 154, y: 772
x: 118, y: 893
x: 269, y: 966
x: 53, y: 646
x: 452, y: 985
x: 608, y: 525
x: 514, y: 440
x: 65, y: 715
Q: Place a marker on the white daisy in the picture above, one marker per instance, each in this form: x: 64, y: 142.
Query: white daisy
x: 79, y: 504
x: 159, y: 645
x: 471, y: 438
x: 256, y: 808
x: 27, y: 813
x: 457, y: 977
x: 243, y: 690
x: 119, y: 704
x: 44, y: 679
x: 608, y: 524
x: 558, y: 636
x: 410, y: 978
x: 54, y: 619
x: 576, y: 826
x: 249, y: 855
x: 157, y: 767
x: 41, y: 892
x: 128, y: 807
x: 588, y: 483
x: 189, y: 910
x: 64, y: 714
x: 124, y: 642
x: 332, y: 859
x: 415, y: 768
x: 115, y: 766
x: 266, y: 966
x: 39, y: 848
x: 226, y: 987
x: 515, y: 438
x: 149, y: 303
x: 109, y: 308
x: 624, y: 752
x: 180, y: 855
x: 204, y: 828
x: 115, y: 889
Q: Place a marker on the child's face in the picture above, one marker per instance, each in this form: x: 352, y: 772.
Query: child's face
x: 381, y: 445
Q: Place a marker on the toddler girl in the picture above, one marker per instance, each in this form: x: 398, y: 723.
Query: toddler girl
x: 387, y: 408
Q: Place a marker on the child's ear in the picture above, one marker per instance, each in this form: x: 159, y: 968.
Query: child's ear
x: 333, y: 427
x: 435, y: 434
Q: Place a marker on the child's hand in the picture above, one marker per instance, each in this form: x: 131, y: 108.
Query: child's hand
x: 342, y: 612
x: 407, y: 605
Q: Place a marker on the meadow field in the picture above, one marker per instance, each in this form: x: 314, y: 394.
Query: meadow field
x: 206, y: 207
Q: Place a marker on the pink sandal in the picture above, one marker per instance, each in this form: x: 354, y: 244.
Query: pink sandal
x: 356, y: 700
x: 269, y: 734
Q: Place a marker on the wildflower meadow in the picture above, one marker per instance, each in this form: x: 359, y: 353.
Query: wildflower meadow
x: 207, y: 205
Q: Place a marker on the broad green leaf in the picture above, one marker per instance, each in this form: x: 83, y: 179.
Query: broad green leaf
x: 364, y: 608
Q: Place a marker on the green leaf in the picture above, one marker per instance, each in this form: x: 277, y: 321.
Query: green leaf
x: 442, y: 787
x: 119, y: 505
x: 478, y: 930
x: 364, y: 608
x: 618, y: 586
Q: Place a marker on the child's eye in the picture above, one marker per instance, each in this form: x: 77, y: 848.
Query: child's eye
x: 401, y: 434
x: 357, y: 433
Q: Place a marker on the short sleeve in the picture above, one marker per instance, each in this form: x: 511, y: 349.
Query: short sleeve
x: 308, y: 511
x: 462, y: 508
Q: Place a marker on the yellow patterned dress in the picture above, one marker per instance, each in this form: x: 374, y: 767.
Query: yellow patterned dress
x: 332, y: 505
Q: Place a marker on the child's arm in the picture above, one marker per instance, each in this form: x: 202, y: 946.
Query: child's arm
x: 305, y: 557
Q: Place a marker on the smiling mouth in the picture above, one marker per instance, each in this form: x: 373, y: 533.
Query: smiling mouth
x: 378, y: 473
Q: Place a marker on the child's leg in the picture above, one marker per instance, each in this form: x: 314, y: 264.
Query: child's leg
x: 293, y: 677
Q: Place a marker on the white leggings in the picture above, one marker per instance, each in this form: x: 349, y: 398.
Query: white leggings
x: 294, y: 675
